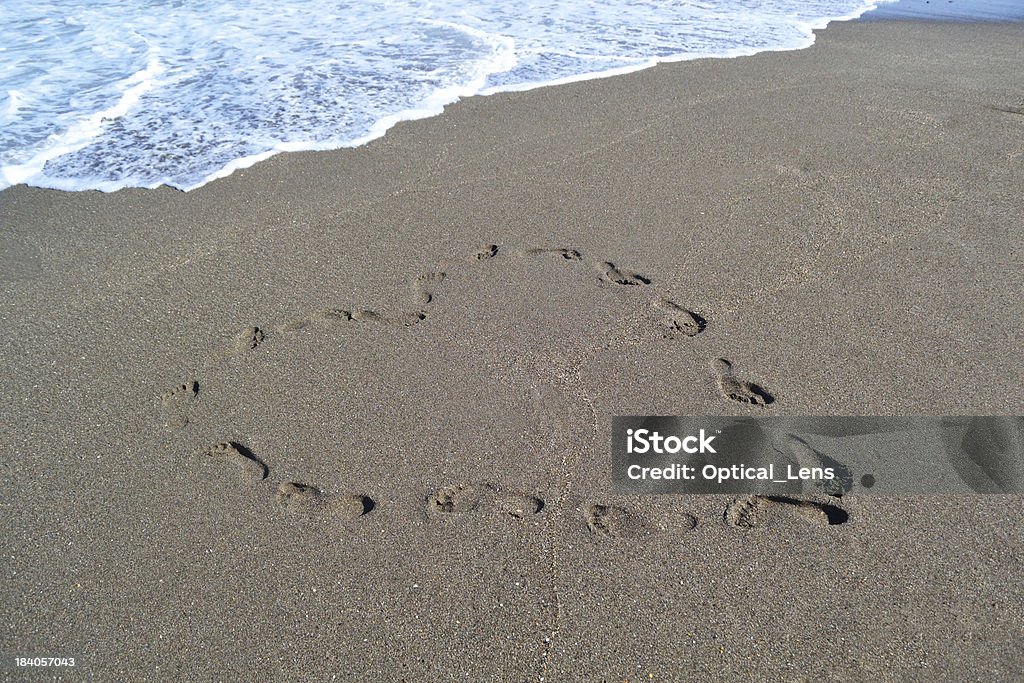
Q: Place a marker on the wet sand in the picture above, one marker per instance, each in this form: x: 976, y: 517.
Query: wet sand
x: 347, y: 415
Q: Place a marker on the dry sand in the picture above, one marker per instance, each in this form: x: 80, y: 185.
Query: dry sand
x: 429, y: 499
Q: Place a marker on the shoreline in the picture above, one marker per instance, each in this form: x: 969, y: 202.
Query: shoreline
x: 348, y: 412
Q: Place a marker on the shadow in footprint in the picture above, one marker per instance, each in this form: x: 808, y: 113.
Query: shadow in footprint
x: 306, y: 499
x: 567, y: 254
x: 988, y: 455
x: 249, y: 339
x: 184, y: 392
x: 679, y: 321
x: 485, y: 252
x: 239, y: 456
x: 611, y: 273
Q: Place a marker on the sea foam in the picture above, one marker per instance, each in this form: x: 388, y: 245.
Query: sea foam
x: 157, y: 92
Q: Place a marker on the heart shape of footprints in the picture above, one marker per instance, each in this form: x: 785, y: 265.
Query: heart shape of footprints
x: 668, y: 320
x: 491, y: 500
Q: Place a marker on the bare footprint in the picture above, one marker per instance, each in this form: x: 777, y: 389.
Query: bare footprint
x: 520, y: 505
x: 238, y: 455
x: 674, y: 522
x: 613, y: 521
x: 754, y: 511
x: 464, y: 498
x: 303, y: 498
x: 618, y: 522
x: 248, y: 339
x: 805, y: 456
x: 176, y: 403
x: 409, y: 319
x: 426, y: 285
x: 295, y: 496
x: 737, y: 390
x: 567, y: 254
x: 679, y: 321
x: 487, y: 251
x: 458, y: 499
x: 611, y: 273
x: 183, y: 393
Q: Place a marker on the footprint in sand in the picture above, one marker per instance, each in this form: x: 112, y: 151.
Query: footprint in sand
x: 519, y: 505
x: 566, y: 254
x: 609, y: 272
x: 177, y: 401
x: 615, y: 275
x: 247, y: 340
x: 464, y: 498
x: 613, y: 521
x: 426, y: 285
x: 306, y: 499
x: 486, y: 252
x: 678, y: 321
x: 800, y: 451
x: 250, y: 467
x: 735, y: 389
x: 408, y: 319
x: 184, y: 392
x: 754, y: 511
x: 400, y: 320
x: 455, y: 499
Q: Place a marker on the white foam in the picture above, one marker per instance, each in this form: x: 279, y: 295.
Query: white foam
x: 136, y: 95
x: 84, y: 131
x: 15, y: 102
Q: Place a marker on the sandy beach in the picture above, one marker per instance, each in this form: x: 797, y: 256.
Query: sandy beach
x: 346, y: 415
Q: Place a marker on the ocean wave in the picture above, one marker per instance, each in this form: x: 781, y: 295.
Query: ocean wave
x: 164, y: 92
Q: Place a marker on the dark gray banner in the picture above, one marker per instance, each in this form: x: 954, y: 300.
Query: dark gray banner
x: 832, y: 455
